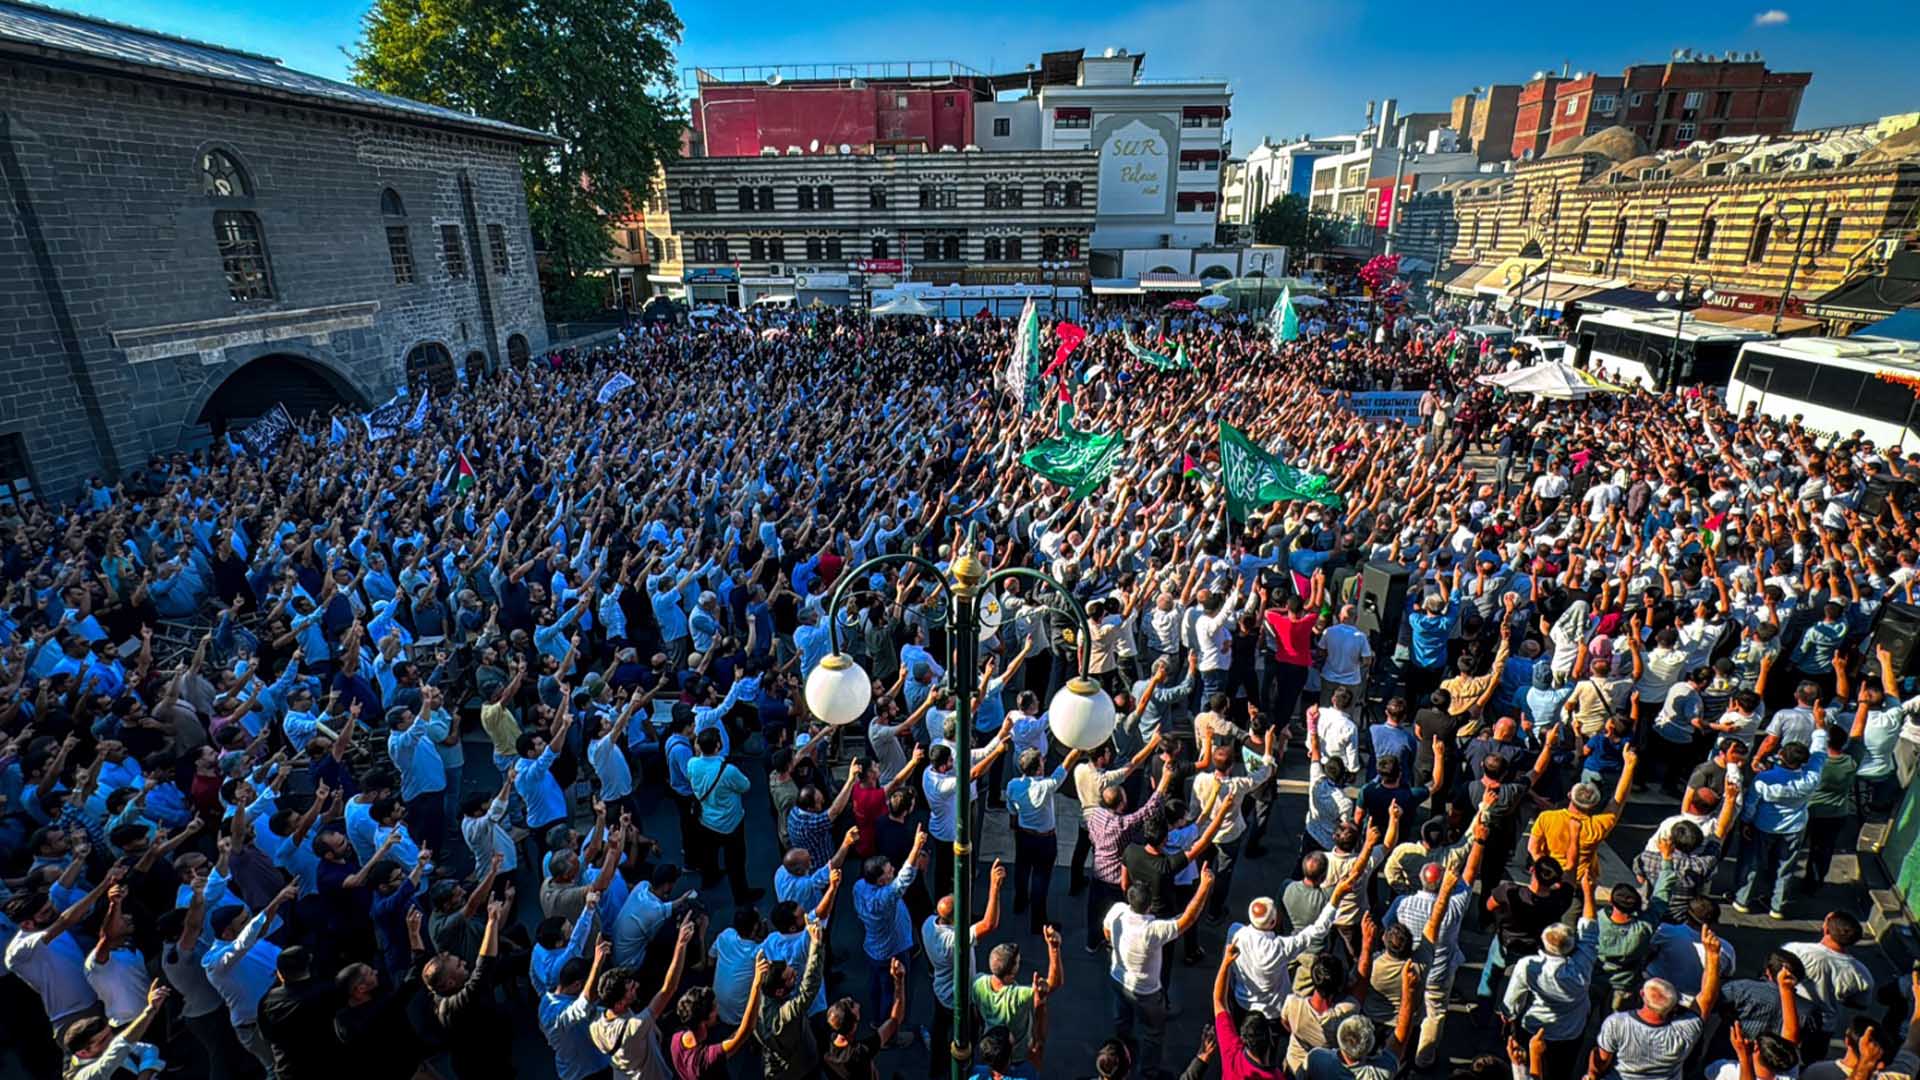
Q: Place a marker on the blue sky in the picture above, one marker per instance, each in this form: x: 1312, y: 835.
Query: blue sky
x: 1295, y: 67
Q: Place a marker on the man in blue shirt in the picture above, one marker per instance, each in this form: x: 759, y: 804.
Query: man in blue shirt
x: 1776, y: 816
x: 879, y: 897
x: 1430, y: 627
x: 718, y: 788
x: 423, y: 777
x: 546, y: 800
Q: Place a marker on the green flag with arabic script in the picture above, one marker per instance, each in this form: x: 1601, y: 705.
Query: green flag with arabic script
x: 1255, y: 478
x: 1076, y: 460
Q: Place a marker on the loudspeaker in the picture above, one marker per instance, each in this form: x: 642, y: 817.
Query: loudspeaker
x: 1583, y: 355
x: 1382, y: 600
x: 1897, y: 627
x: 1881, y: 489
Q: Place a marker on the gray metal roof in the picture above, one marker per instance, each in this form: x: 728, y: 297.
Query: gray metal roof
x: 72, y: 36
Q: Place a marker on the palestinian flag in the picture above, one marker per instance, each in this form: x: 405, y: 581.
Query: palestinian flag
x: 1188, y: 466
x: 463, y: 476
x: 1710, y: 530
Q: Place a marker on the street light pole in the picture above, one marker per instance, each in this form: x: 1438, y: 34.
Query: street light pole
x: 1680, y: 299
x: 1081, y: 716
x: 1793, y: 268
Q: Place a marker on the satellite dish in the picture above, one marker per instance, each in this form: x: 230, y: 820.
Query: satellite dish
x: 813, y: 147
x: 856, y: 84
x: 774, y: 79
x: 845, y: 149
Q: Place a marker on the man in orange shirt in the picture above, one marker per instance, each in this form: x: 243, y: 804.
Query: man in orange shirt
x: 1574, y: 835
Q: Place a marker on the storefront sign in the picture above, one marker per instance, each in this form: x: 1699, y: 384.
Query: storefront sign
x: 1134, y: 171
x: 820, y: 281
x: 880, y: 266
x: 1003, y: 275
x: 1383, y: 213
x: 752, y: 279
x: 711, y: 275
x: 1756, y: 303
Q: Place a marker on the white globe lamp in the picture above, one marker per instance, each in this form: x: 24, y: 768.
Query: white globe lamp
x: 838, y: 691
x: 1081, y: 715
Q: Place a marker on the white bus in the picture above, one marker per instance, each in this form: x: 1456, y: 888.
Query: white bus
x: 1630, y: 346
x: 1832, y: 385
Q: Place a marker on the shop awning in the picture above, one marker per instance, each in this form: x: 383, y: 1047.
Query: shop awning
x: 1904, y: 325
x: 1462, y: 283
x: 1867, y: 300
x: 1745, y: 320
x: 1624, y: 297
x: 1117, y: 286
x: 1171, y: 283
x: 1552, y: 292
x: 1504, y: 278
x: 665, y: 279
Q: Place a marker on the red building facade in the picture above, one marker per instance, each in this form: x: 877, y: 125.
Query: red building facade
x: 1533, y: 117
x: 1582, y: 106
x: 743, y: 119
x: 1668, y: 105
x: 1683, y: 101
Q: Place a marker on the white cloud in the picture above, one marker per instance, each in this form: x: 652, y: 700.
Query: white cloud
x: 1770, y: 17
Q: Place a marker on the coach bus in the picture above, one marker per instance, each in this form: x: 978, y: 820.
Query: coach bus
x: 1835, y: 386
x: 1630, y: 346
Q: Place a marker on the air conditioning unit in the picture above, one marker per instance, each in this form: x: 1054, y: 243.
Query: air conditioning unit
x: 1595, y: 266
x: 1166, y: 240
x: 774, y: 270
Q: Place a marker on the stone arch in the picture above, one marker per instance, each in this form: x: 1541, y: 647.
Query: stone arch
x: 518, y: 351
x: 295, y: 377
x: 430, y: 364
x: 476, y: 366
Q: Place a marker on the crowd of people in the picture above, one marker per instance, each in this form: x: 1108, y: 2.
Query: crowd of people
x: 356, y: 755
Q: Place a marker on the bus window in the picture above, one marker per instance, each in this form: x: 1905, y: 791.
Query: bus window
x: 1791, y: 378
x: 1836, y: 388
x: 1886, y: 401
x: 1713, y: 362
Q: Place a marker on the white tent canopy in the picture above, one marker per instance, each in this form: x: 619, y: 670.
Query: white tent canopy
x: 1560, y: 381
x: 903, y: 305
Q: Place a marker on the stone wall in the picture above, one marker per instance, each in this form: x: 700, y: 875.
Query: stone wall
x: 116, y: 322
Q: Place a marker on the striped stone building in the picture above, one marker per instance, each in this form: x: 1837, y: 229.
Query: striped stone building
x: 829, y: 225
x: 1605, y: 217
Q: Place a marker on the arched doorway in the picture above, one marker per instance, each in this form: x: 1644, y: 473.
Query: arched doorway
x: 476, y: 367
x: 430, y: 365
x: 1215, y: 273
x: 302, y: 385
x: 517, y: 351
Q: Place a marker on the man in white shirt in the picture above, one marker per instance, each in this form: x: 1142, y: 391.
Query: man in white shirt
x: 1349, y: 655
x: 1213, y: 640
x: 941, y: 785
x: 1261, y: 976
x: 1219, y: 783
x: 1836, y: 980
x: 1137, y: 940
x: 45, y: 955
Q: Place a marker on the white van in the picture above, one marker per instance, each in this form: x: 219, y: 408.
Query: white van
x: 1547, y: 350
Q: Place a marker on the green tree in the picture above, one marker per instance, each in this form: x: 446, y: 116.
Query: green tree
x: 597, y: 75
x: 1287, y: 221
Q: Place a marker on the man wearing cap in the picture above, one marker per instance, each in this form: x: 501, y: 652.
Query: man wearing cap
x: 1261, y: 981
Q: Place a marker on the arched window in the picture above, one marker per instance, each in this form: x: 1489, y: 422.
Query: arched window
x: 1762, y: 236
x: 926, y: 196
x: 399, y: 247
x: 1051, y: 195
x: 993, y: 196
x: 222, y: 177
x: 1073, y: 193
x: 430, y: 365
x: 1013, y: 249
x: 390, y: 204
x: 1473, y: 240
x: 517, y: 351
x: 1704, y: 248
x: 243, y: 255
x: 991, y: 251
x: 745, y: 197
x: 1580, y: 238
